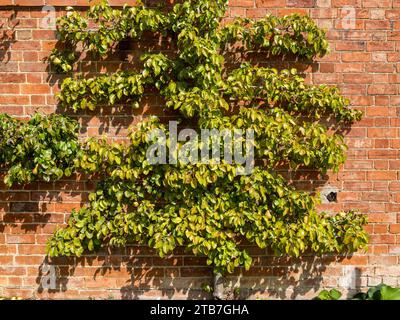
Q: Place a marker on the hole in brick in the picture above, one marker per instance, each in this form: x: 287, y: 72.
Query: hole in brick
x: 332, y: 196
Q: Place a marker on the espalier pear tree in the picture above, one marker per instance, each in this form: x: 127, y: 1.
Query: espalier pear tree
x: 206, y: 207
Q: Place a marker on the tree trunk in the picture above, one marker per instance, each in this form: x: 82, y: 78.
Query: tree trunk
x: 219, y: 287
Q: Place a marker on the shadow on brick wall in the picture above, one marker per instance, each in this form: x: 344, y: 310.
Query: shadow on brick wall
x: 7, y: 36
x: 30, y: 208
x: 140, y: 274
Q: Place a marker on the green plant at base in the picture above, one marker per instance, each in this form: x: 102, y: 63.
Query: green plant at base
x: 332, y: 294
x: 379, y: 292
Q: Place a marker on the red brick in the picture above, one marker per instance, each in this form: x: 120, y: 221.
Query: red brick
x: 29, y: 2
x: 382, y: 260
x: 326, y: 67
x: 380, y: 46
x: 351, y: 46
x: 380, y: 67
x: 29, y: 260
x: 375, y: 196
x: 12, y: 78
x: 357, y: 78
x: 44, y: 35
x: 393, y: 36
x: 382, y: 132
x: 349, y: 67
x: 387, y: 89
x: 22, y: 238
x: 35, y: 89
x: 383, y: 239
x: 356, y: 57
x: 377, y: 3
x: 31, y: 56
x: 355, y: 260
x: 269, y: 3
x: 382, y: 154
x: 300, y: 3
x: 33, y: 67
x: 255, y: 13
x: 394, y: 228
x: 342, y: 3
x: 392, y: 14
x: 26, y: 45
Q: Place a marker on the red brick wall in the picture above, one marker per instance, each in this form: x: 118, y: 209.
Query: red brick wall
x: 364, y: 62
